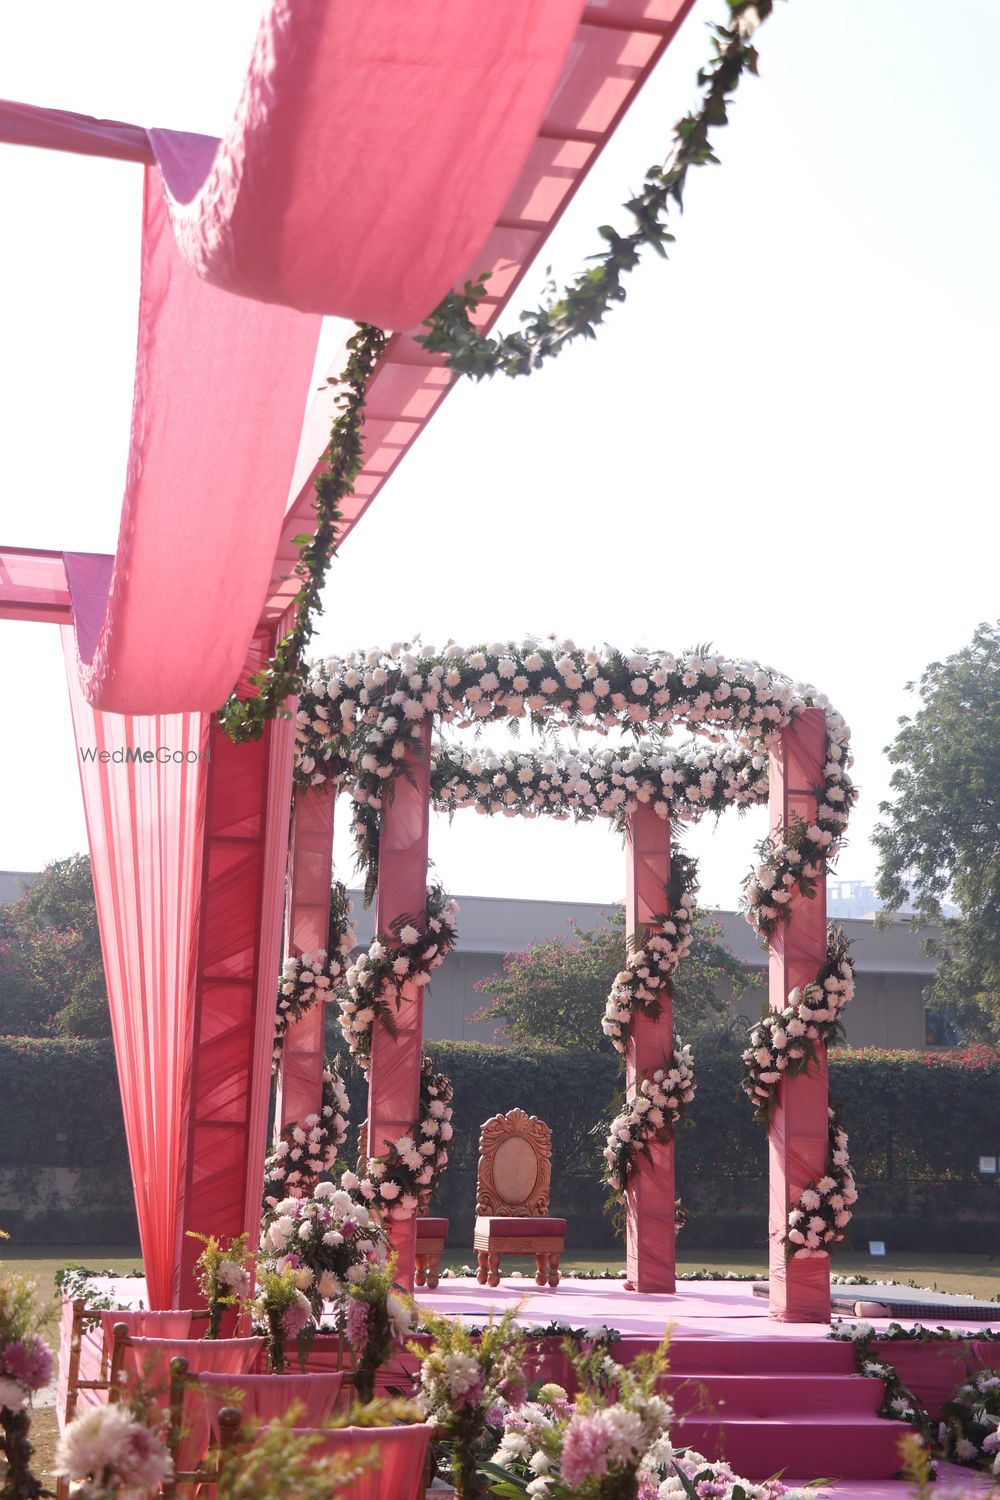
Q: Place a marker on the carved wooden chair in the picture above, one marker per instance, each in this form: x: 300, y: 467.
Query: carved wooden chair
x: 512, y: 1198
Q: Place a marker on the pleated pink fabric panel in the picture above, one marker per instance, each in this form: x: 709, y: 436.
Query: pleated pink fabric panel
x: 145, y: 829
x: 220, y: 390
x: 263, y: 1398
x: 373, y: 148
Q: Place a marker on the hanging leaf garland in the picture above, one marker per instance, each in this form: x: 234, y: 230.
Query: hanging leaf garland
x: 451, y: 333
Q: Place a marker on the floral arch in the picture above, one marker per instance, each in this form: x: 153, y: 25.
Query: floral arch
x: 365, y: 727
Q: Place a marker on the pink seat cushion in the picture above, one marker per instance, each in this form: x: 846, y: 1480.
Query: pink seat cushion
x: 432, y: 1229
x: 541, y: 1228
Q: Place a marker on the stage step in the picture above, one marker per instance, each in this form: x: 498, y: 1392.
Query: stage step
x: 830, y: 1447
x: 732, y: 1397
x: 768, y: 1356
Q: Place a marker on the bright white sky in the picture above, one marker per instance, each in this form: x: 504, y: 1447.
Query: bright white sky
x: 784, y: 443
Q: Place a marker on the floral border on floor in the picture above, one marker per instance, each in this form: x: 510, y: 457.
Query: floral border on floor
x: 786, y: 1043
x: 400, y: 1181
x: 819, y: 1220
x: 649, y: 1118
x: 309, y: 978
x: 408, y: 954
x: 307, y: 1151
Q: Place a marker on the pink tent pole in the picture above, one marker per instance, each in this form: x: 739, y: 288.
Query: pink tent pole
x: 649, y: 1215
x: 238, y: 938
x: 307, y: 924
x: 394, y: 1081
x: 798, y: 1139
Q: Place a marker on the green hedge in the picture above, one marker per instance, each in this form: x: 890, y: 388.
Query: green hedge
x: 917, y: 1122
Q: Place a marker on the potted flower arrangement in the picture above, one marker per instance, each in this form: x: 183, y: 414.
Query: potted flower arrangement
x: 376, y: 1317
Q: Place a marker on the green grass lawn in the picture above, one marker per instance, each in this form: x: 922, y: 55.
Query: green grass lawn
x: 975, y: 1275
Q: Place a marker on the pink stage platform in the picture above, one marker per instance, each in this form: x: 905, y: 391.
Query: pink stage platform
x: 767, y: 1396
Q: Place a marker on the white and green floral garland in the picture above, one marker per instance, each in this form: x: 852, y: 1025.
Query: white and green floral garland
x: 650, y: 1117
x: 785, y: 1043
x: 307, y: 1151
x: 311, y: 977
x: 400, y: 1181
x: 818, y: 1221
x: 641, y: 984
x: 362, y: 713
x: 373, y: 983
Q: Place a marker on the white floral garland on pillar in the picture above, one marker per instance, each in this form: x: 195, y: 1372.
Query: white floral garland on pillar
x: 639, y: 986
x: 651, y: 1116
x: 310, y: 977
x: 400, y: 1181
x: 307, y: 1151
x: 818, y: 1221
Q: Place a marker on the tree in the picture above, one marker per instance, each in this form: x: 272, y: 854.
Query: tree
x: 940, y: 837
x: 51, y: 969
x: 555, y: 992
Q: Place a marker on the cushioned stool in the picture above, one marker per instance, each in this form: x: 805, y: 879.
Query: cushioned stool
x: 512, y: 1198
x: 431, y: 1235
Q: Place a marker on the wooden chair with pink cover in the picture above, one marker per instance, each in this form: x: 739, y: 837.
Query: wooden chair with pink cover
x: 398, y: 1459
x: 512, y: 1198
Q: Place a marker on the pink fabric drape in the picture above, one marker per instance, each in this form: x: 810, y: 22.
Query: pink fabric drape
x: 398, y: 1454
x: 371, y: 152
x: 220, y: 391
x: 394, y: 1081
x: 798, y: 1138
x: 145, y: 826
x: 149, y: 1359
x: 263, y: 1398
x: 649, y: 1211
x: 145, y: 1323
x: 307, y: 922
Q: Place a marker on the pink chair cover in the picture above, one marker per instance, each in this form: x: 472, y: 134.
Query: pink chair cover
x: 262, y: 1398
x: 143, y: 1323
x: 150, y: 1358
x: 398, y: 1471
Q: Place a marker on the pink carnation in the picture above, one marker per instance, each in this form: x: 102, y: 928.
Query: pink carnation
x: 28, y: 1360
x: 584, y: 1454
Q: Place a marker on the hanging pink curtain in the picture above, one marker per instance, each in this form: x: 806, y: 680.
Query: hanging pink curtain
x: 220, y: 391
x: 372, y: 150
x: 145, y: 825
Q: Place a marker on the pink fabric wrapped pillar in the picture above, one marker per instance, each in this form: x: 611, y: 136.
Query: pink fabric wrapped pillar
x: 394, y: 1083
x: 228, y: 1084
x: 649, y: 1214
x: 798, y: 1142
x: 307, y: 920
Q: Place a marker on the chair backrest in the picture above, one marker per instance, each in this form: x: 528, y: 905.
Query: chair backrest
x: 263, y: 1398
x: 515, y: 1166
x: 399, y: 1454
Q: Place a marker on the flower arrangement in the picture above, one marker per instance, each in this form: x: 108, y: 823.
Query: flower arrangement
x: 324, y: 1240
x: 282, y: 1312
x: 820, y: 1218
x: 669, y: 1473
x: 401, y: 1180
x: 594, y: 1447
x: 970, y: 1432
x: 376, y: 1318
x: 650, y: 1116
x: 640, y: 985
x: 682, y: 783
x: 306, y: 1151
x: 408, y: 955
x: 115, y: 1450
x: 223, y: 1272
x: 309, y: 978
x: 785, y: 1043
x: 361, y: 713
x: 25, y: 1367
x: 461, y: 1383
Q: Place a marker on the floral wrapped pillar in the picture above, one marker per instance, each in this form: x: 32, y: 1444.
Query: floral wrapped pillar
x: 650, y: 1199
x: 799, y: 1127
x: 307, y: 922
x: 394, y: 1081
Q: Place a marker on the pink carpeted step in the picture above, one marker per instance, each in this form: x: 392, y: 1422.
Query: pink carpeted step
x: 769, y: 1356
x: 732, y: 1397
x: 829, y: 1448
